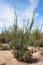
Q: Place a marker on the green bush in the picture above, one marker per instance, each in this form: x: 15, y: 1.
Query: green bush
x: 20, y: 43
x: 40, y: 43
x: 20, y: 48
x: 37, y: 33
x: 18, y: 55
x: 23, y: 56
x: 36, y: 43
x: 31, y: 42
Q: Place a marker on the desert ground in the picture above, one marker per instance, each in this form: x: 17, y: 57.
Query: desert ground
x: 7, y: 58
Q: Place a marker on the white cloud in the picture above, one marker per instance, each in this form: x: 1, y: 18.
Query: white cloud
x: 28, y: 12
x: 1, y: 24
x: 34, y: 3
x: 30, y: 9
x: 6, y: 14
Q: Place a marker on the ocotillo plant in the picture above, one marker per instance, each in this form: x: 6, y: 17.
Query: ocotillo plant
x: 21, y: 48
x: 26, y: 34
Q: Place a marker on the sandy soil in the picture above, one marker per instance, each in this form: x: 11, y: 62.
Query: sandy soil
x: 6, y: 58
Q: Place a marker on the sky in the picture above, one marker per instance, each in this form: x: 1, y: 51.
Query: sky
x: 24, y: 10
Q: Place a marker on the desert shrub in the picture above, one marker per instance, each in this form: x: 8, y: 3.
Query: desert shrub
x: 35, y: 43
x: 20, y: 43
x: 20, y: 49
x: 4, y: 37
x: 37, y: 33
x: 0, y: 44
x: 0, y: 38
x: 31, y: 42
x: 27, y: 57
x: 38, y: 43
x: 35, y: 39
x: 18, y: 55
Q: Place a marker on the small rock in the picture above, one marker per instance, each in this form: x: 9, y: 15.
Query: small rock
x: 6, y: 47
x: 0, y: 48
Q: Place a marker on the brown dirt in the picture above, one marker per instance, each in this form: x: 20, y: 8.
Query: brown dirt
x: 6, y: 58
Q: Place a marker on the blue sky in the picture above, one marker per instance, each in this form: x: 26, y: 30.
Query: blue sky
x: 24, y: 10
